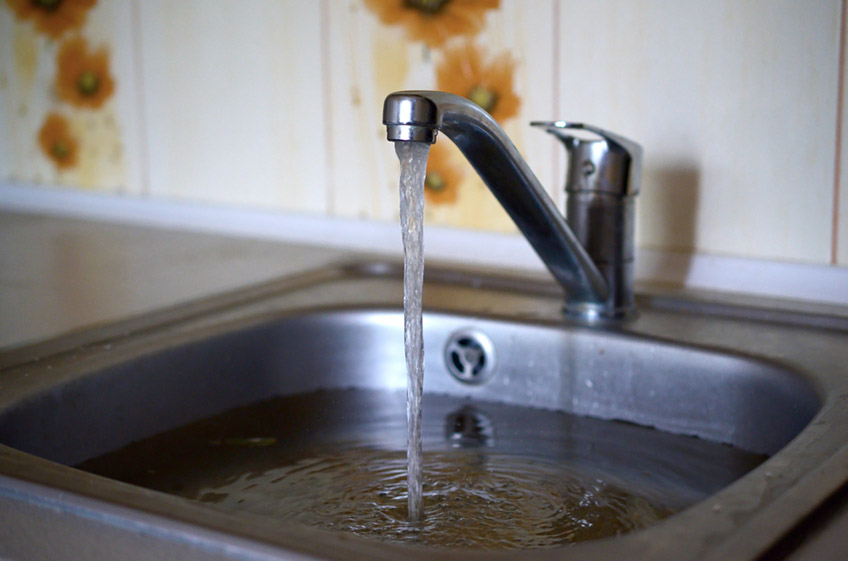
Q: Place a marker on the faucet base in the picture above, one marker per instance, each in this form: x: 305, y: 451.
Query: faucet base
x: 591, y: 313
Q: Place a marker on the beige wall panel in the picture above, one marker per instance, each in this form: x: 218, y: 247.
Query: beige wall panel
x: 233, y: 98
x: 366, y: 61
x: 735, y: 104
x: 369, y: 59
x: 106, y: 136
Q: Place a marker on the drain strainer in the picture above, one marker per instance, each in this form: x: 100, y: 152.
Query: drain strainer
x: 470, y: 356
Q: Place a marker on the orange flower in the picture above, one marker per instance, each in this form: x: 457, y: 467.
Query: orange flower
x: 433, y: 21
x: 441, y: 184
x: 464, y: 72
x: 83, y: 78
x: 53, y: 17
x: 57, y: 142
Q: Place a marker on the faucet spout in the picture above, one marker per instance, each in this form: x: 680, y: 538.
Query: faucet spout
x: 419, y: 115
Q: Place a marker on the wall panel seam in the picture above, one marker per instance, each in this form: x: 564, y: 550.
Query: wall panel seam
x: 326, y: 77
x: 140, y: 100
x: 556, y: 151
x: 840, y: 101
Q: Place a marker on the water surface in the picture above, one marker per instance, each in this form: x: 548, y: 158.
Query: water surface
x: 496, y: 476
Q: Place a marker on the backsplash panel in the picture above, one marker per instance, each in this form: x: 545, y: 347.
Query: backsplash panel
x: 276, y: 104
x: 369, y: 58
x: 232, y: 100
x: 735, y: 105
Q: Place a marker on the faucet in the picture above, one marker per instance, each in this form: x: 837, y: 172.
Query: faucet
x: 593, y: 257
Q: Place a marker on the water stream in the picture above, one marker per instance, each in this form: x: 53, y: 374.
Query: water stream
x: 413, y: 163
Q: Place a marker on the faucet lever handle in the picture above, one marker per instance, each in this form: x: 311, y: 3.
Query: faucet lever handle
x: 611, y: 164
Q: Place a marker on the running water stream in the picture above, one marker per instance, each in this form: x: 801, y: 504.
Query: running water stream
x: 413, y: 164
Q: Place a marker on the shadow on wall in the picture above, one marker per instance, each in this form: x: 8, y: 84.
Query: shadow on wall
x: 668, y: 220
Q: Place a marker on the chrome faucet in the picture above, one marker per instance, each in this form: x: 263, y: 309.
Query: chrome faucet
x: 592, y: 259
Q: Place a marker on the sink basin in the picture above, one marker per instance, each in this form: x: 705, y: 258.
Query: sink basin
x: 769, y: 381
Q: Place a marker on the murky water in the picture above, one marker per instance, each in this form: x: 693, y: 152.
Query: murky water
x: 473, y: 498
x: 495, y: 476
x: 413, y: 164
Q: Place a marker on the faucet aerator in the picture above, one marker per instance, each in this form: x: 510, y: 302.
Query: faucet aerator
x: 411, y: 133
x: 410, y: 118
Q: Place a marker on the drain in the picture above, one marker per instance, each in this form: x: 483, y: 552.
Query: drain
x: 470, y: 356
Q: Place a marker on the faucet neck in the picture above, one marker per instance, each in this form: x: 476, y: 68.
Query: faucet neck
x: 418, y: 115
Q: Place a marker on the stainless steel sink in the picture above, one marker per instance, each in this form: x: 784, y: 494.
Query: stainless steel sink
x: 764, y: 377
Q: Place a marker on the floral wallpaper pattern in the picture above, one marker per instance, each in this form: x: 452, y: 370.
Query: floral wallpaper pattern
x: 434, y: 21
x: 53, y: 17
x: 447, y: 27
x: 58, y: 142
x: 444, y: 174
x: 83, y: 77
x: 466, y: 69
x: 82, y: 74
x: 275, y: 104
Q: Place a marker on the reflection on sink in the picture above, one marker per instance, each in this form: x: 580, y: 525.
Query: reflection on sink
x: 724, y: 378
x: 725, y: 398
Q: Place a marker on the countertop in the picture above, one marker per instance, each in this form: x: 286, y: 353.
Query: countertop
x: 61, y: 275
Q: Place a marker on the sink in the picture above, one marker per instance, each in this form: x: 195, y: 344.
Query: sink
x: 767, y: 378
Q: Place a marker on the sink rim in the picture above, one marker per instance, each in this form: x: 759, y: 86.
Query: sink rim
x: 795, y: 500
